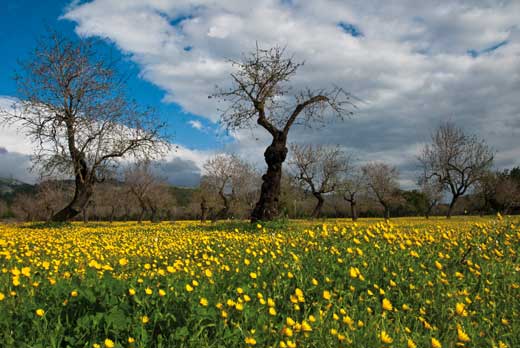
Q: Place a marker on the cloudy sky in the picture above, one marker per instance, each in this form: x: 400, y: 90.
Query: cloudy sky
x: 414, y: 64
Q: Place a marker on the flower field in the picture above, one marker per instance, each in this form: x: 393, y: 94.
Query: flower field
x: 406, y: 283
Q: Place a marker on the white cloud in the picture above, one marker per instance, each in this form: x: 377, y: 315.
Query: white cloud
x: 411, y: 66
x: 196, y: 124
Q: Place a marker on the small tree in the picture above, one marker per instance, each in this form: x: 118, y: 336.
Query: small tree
x: 151, y: 193
x: 319, y: 168
x: 72, y: 104
x: 260, y: 94
x: 51, y: 195
x: 457, y: 161
x: 230, y: 178
x: 24, y: 207
x: 381, y: 180
x: 432, y: 192
x: 351, y: 186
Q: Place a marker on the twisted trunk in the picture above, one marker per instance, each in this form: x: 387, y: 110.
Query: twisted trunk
x: 203, y: 210
x: 452, y: 205
x: 267, y: 206
x: 319, y: 205
x: 353, y: 210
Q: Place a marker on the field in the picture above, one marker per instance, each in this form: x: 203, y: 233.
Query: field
x: 405, y: 283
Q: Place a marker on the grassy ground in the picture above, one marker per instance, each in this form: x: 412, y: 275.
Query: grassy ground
x: 406, y: 283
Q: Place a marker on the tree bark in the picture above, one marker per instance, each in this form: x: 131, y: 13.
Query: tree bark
x: 224, y: 212
x: 452, y: 204
x: 267, y: 206
x: 387, y: 212
x: 203, y: 210
x: 82, y: 195
x: 319, y: 205
x: 353, y: 210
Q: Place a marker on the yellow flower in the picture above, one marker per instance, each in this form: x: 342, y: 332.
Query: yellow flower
x: 385, y: 338
x: 131, y: 292
x: 250, y: 341
x: 74, y: 293
x: 2, y: 296
x: 387, y: 305
x: 462, y: 336
x: 326, y: 295
x: 145, y: 319
x: 460, y: 309
x: 435, y: 343
x: 131, y: 340
x: 411, y: 344
x: 288, y: 332
x: 162, y: 292
x: 253, y: 275
x: 123, y: 261
x: 203, y: 302
x: 272, y: 311
x: 502, y: 345
x: 26, y: 271
x: 148, y: 291
x: 189, y: 288
x: 96, y: 345
x: 290, y: 321
x: 438, y: 265
x: 109, y: 343
x: 306, y: 327
x: 40, y: 312
x: 291, y: 344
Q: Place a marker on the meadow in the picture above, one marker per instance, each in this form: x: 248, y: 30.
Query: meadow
x: 403, y: 283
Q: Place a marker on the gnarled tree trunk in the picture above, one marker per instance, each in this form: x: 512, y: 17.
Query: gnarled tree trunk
x: 203, y: 210
x: 82, y: 195
x: 353, y: 210
x: 267, y: 206
x: 319, y: 205
x: 452, y: 205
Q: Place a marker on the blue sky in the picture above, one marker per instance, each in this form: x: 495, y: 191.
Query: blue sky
x: 23, y: 22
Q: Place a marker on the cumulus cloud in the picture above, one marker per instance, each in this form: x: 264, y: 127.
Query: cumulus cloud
x: 413, y: 63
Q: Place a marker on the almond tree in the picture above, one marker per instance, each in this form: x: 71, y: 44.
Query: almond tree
x: 319, y: 168
x: 455, y: 160
x: 72, y: 104
x: 260, y: 95
x: 351, y: 186
x: 381, y: 179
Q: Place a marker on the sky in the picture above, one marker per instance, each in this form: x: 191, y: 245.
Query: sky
x: 414, y: 64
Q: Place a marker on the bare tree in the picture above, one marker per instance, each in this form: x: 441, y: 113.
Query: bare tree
x: 230, y: 178
x: 455, y: 160
x: 507, y: 194
x: 381, y: 180
x: 72, y: 104
x: 432, y: 192
x: 260, y: 94
x: 319, y: 168
x: 351, y: 186
x: 146, y: 188
x: 24, y: 207
x: 51, y: 195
